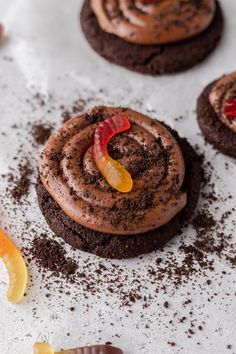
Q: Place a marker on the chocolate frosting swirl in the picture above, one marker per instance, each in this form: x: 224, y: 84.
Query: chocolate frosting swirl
x: 148, y: 151
x: 224, y: 89
x: 159, y: 22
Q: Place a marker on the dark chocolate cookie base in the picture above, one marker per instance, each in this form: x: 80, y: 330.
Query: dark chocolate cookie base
x: 155, y: 59
x: 214, y: 131
x: 116, y: 246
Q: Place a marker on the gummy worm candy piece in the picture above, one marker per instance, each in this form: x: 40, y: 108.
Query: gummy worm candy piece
x: 230, y: 107
x: 16, y: 268
x: 115, y: 174
x: 44, y: 348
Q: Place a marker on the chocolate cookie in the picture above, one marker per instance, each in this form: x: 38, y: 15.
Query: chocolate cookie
x: 154, y: 59
x: 126, y: 213
x: 212, y: 123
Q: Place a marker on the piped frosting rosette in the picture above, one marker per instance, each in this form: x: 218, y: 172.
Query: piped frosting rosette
x: 223, y: 100
x: 154, y: 22
x: 148, y: 151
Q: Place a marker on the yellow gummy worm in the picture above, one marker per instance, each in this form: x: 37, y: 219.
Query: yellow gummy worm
x: 16, y: 268
x: 45, y: 348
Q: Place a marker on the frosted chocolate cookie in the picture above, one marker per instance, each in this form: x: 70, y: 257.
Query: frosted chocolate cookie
x: 117, y: 183
x: 153, y: 37
x: 216, y: 113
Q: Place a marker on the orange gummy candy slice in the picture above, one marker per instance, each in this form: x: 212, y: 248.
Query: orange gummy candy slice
x: 16, y: 268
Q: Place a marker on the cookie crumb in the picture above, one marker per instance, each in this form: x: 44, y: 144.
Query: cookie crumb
x: 41, y: 132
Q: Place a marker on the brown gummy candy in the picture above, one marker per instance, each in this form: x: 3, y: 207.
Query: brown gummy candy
x: 95, y: 349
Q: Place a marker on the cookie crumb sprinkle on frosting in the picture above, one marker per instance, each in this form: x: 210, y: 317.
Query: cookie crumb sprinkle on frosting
x: 154, y: 22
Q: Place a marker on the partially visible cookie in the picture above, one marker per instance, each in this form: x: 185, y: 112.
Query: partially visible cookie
x: 174, y: 46
x: 82, y: 208
x: 216, y: 114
